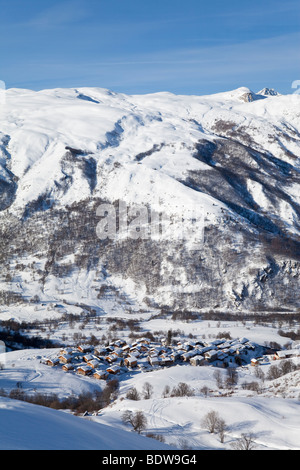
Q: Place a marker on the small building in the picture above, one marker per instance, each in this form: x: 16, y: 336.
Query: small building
x: 211, y: 355
x: 144, y: 341
x: 113, y: 369
x: 254, y: 362
x: 100, y: 352
x: 197, y: 360
x: 84, y: 370
x: 154, y: 360
x: 100, y: 374
x: 65, y: 358
x: 93, y: 363
x: 84, y: 348
x: 130, y: 361
x: 166, y: 360
x: 67, y: 367
x: 111, y: 358
x: 52, y: 362
x: 286, y: 354
x: 88, y: 357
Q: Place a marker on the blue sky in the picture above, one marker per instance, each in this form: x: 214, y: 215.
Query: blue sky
x: 131, y: 46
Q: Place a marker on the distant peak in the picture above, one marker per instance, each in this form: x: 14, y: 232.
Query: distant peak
x: 268, y: 92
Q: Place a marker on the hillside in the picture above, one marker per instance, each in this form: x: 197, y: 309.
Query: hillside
x: 166, y: 217
x: 228, y: 164
x: 30, y: 427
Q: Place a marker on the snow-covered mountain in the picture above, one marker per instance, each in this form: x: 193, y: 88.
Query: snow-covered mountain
x: 233, y: 158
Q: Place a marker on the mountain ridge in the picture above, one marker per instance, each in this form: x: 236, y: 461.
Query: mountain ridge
x: 231, y: 157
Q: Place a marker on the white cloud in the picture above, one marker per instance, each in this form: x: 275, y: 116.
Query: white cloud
x: 63, y: 13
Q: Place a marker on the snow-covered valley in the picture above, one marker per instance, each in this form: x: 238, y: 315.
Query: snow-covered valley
x: 203, y: 194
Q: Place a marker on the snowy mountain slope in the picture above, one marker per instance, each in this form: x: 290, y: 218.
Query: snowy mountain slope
x: 31, y: 427
x: 232, y: 157
x: 271, y: 415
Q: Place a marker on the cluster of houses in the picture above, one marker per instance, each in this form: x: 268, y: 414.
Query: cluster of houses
x: 119, y: 356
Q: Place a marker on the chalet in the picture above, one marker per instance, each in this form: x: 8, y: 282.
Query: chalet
x: 211, y: 355
x: 126, y: 348
x: 67, y: 367
x: 65, y: 358
x: 88, y: 357
x: 111, y: 358
x: 144, y: 341
x: 66, y: 351
x: 217, y: 342
x: 175, y: 355
x: 117, y: 352
x: 84, y: 348
x: 166, y: 360
x: 287, y: 354
x: 52, y: 362
x: 154, y: 360
x: 130, y: 361
x: 135, y: 351
x: 254, y: 362
x: 187, y: 356
x: 93, y: 363
x: 243, y: 340
x: 113, y: 369
x: 100, y: 352
x: 84, y: 370
x: 197, y: 360
x: 100, y: 374
x: 118, y: 343
x: 143, y: 347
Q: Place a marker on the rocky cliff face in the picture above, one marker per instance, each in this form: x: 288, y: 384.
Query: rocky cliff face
x: 66, y: 155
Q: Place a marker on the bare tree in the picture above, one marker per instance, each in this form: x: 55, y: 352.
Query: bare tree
x: 147, y: 390
x: 221, y: 428
x: 210, y: 421
x: 133, y: 394
x: 166, y: 391
x: 232, y: 377
x: 218, y: 378
x: 246, y: 442
x: 137, y: 420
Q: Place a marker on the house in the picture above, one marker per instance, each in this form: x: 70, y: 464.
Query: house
x: 113, y: 369
x: 197, y: 360
x: 154, y: 360
x: 84, y: 348
x: 117, y: 352
x: 254, y: 362
x: 111, y: 358
x: 175, y: 355
x: 100, y: 374
x: 93, y: 363
x: 65, y: 358
x: 52, y: 362
x: 100, y: 352
x: 126, y: 348
x: 66, y: 351
x: 144, y: 341
x: 130, y: 361
x: 187, y: 356
x: 84, y: 370
x: 67, y: 367
x: 211, y: 355
x: 166, y: 360
x: 286, y: 354
x: 88, y: 357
